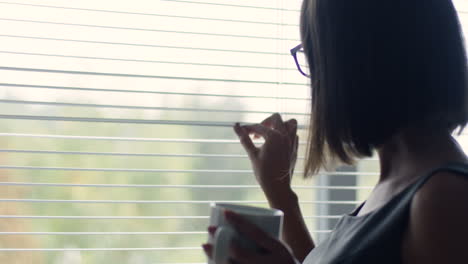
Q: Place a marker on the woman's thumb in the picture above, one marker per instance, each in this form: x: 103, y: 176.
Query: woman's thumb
x: 245, y: 140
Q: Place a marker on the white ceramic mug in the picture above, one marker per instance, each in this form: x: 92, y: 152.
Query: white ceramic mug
x: 269, y: 220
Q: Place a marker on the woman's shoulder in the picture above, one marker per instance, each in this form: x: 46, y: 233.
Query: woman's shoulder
x: 438, y: 215
x: 443, y: 186
x: 444, y: 192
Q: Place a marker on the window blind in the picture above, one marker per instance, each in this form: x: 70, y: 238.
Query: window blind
x: 116, y: 125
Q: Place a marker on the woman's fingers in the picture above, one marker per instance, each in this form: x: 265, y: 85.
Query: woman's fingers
x: 212, y: 230
x: 275, y: 122
x: 245, y: 140
x: 259, y: 129
x: 294, y: 154
x: 208, y: 248
x: 291, y: 126
x: 252, y: 231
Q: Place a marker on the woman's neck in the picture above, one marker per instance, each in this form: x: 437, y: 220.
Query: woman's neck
x: 415, y: 151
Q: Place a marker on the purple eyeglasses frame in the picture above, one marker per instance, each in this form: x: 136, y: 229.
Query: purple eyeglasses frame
x: 294, y: 54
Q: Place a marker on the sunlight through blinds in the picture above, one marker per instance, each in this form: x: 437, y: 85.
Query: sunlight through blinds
x: 116, y: 125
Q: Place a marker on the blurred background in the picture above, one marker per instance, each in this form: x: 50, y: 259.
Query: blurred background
x: 116, y: 125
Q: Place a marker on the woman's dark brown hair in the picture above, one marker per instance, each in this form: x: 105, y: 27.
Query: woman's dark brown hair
x: 378, y: 67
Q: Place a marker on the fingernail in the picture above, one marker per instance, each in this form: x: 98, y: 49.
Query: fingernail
x: 208, y: 249
x: 212, y: 229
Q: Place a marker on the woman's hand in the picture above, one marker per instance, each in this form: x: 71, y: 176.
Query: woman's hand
x: 273, y: 251
x: 273, y: 163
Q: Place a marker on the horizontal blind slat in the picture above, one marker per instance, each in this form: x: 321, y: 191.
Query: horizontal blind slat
x: 160, y: 201
x: 122, y: 121
x: 147, y: 29
x: 134, y: 217
x: 165, y: 155
x: 123, y: 169
x: 166, y: 140
x: 96, y: 249
x: 152, y: 14
x: 53, y: 152
x: 146, y: 92
x: 116, y: 233
x: 108, y: 74
x: 100, y: 233
x: 144, y: 45
x: 341, y: 173
x: 23, y: 102
x: 147, y: 61
x: 178, y: 186
x: 233, y: 5
x: 72, y: 217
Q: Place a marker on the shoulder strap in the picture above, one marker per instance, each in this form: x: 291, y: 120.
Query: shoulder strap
x: 404, y: 198
x: 460, y: 168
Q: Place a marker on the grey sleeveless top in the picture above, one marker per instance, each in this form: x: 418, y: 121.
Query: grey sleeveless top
x: 375, y: 237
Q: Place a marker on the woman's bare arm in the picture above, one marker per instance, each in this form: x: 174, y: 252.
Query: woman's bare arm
x: 295, y: 232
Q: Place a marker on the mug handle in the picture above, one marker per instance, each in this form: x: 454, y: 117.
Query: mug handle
x: 222, y: 238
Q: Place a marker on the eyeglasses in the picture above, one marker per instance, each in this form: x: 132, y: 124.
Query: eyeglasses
x: 301, y: 60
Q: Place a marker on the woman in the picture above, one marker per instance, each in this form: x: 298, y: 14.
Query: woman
x: 388, y: 77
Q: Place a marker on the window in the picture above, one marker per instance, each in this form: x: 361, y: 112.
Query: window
x: 116, y: 125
